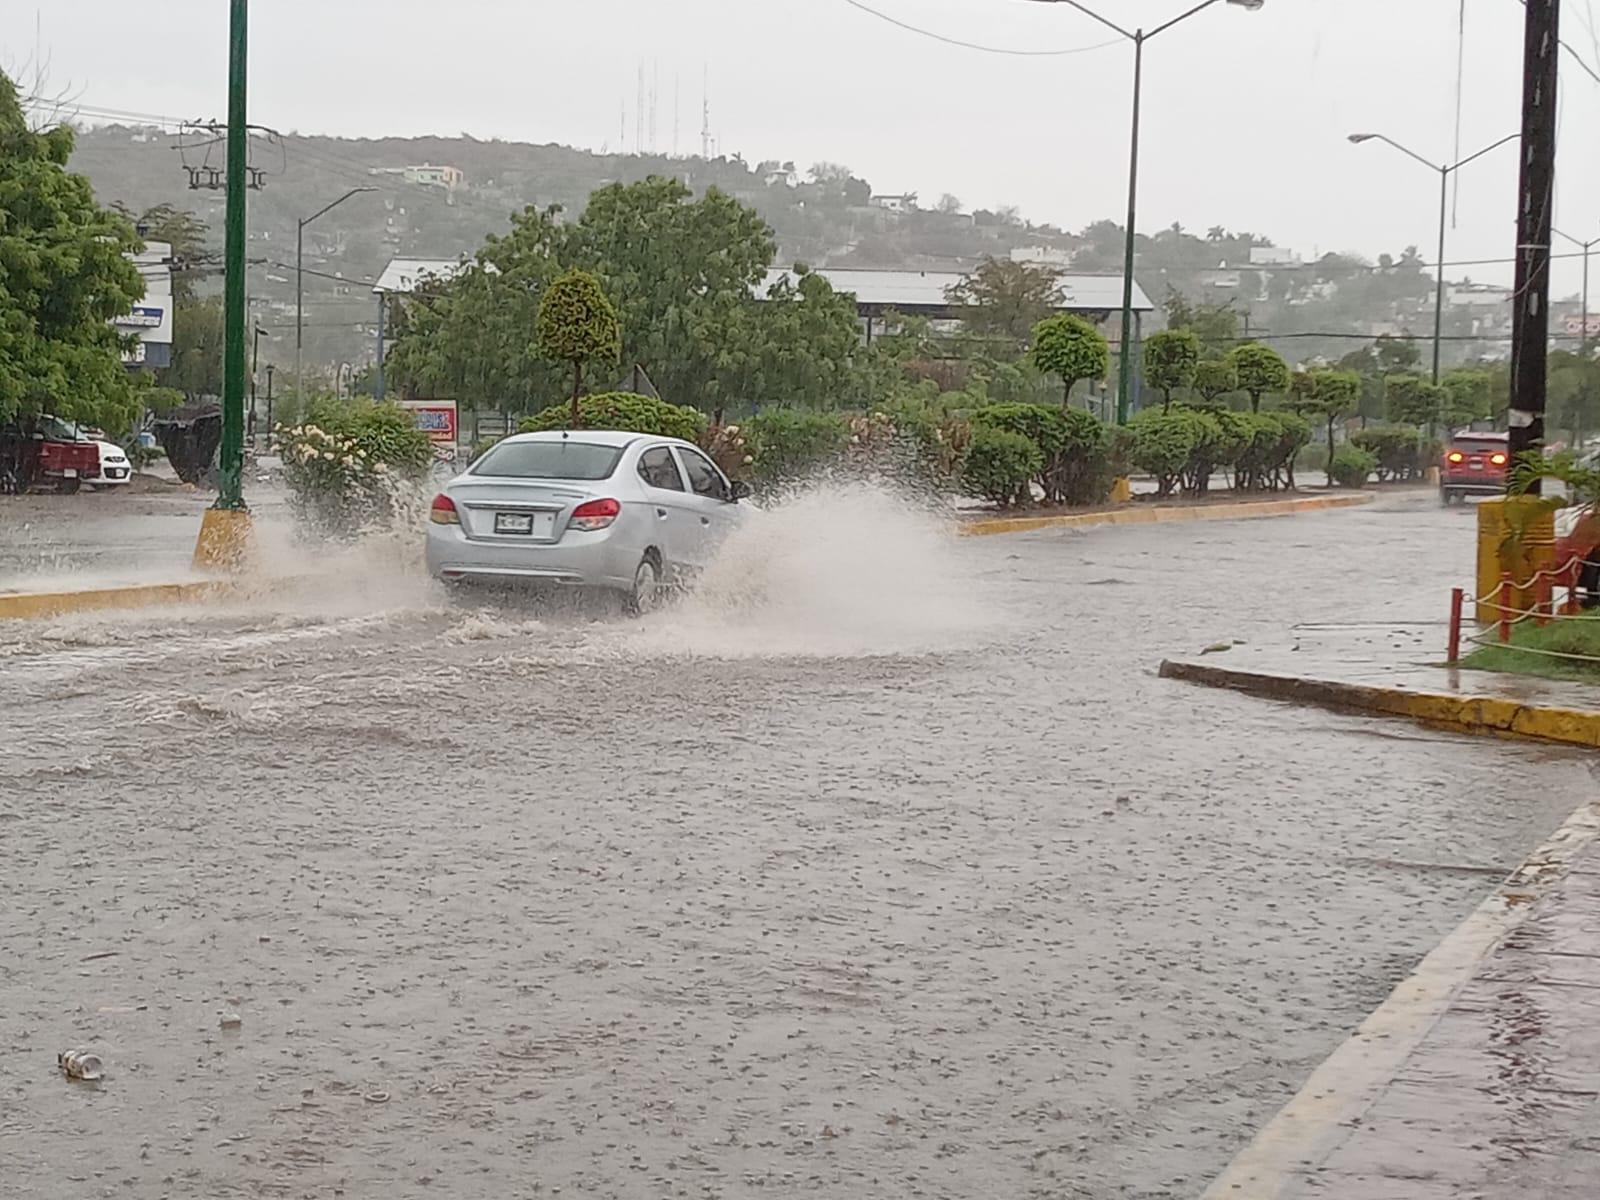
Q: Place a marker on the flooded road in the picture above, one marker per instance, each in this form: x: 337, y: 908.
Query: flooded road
x: 887, y: 869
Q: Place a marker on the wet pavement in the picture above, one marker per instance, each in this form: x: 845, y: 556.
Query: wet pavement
x: 887, y: 868
x: 1500, y: 1099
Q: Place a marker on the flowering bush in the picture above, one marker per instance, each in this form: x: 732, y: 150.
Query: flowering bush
x: 346, y: 464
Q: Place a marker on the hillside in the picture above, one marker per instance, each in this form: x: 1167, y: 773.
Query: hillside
x: 823, y: 217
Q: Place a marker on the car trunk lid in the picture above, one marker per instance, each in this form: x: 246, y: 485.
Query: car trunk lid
x: 517, y: 510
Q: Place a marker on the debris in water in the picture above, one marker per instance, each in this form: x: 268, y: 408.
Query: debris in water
x: 231, y: 1020
x: 1217, y: 648
x: 80, y: 1064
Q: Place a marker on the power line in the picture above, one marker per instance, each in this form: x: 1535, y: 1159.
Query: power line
x: 950, y: 41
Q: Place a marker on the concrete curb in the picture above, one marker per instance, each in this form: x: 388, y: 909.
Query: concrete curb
x: 34, y: 605
x: 1134, y: 515
x: 1473, y: 714
x: 1287, y: 1152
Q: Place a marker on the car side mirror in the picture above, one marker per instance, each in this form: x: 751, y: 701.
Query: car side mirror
x: 738, y: 490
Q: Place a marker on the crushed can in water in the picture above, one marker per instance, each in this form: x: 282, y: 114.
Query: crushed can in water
x: 80, y: 1064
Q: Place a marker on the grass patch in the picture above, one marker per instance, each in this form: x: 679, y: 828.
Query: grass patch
x: 1533, y: 650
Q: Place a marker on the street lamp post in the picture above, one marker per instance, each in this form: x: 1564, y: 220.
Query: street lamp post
x: 299, y: 283
x: 1583, y: 331
x: 1444, y: 203
x: 1138, y: 37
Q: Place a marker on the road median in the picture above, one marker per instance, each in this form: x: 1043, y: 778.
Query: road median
x: 1155, y: 514
x: 1508, y: 716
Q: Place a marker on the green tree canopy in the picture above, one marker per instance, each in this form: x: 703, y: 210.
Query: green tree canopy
x: 1466, y: 396
x: 1326, y: 395
x: 1170, y: 359
x: 1216, y: 325
x: 679, y: 271
x: 1072, y: 349
x: 797, y: 348
x: 1006, y: 299
x: 63, y: 278
x: 1214, y: 378
x: 1261, y: 371
x: 1412, y: 400
x: 577, y: 325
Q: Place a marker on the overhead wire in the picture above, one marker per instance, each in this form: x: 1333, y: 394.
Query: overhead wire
x: 966, y: 45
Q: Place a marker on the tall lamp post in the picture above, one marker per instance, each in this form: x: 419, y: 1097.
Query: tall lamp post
x: 1444, y: 202
x: 1583, y: 332
x: 299, y: 283
x: 1138, y: 37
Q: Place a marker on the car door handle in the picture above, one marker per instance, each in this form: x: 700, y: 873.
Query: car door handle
x: 705, y: 520
x: 662, y: 513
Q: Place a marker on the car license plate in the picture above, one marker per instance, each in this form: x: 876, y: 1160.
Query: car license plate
x: 513, y: 522
x: 70, y: 473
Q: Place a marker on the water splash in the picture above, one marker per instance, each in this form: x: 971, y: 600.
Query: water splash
x: 840, y: 568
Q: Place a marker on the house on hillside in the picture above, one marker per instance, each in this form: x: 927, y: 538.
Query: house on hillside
x: 902, y: 203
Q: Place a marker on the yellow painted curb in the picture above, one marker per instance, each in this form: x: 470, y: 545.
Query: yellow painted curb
x: 1156, y: 516
x: 33, y: 605
x: 1473, y: 714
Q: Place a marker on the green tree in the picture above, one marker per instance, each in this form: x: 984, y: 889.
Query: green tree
x: 679, y: 271
x: 63, y: 278
x: 1261, y: 371
x: 797, y: 348
x: 188, y: 235
x: 197, y: 337
x: 577, y: 325
x: 468, y: 338
x: 1170, y: 359
x: 1216, y: 325
x: 1214, y: 378
x: 1326, y: 395
x: 1466, y: 396
x: 1412, y: 400
x: 1006, y: 299
x: 1072, y: 349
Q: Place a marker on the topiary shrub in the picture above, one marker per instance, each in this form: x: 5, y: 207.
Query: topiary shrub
x: 1294, y: 432
x: 786, y: 444
x: 626, y: 411
x: 1164, y: 443
x: 1350, y: 466
x: 1397, y: 451
x: 1071, y: 443
x: 1000, y: 465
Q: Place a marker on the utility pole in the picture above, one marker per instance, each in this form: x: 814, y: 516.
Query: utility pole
x: 269, y: 400
x: 1530, y: 314
x: 233, y: 362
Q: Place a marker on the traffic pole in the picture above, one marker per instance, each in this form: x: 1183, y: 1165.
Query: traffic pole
x: 225, y: 529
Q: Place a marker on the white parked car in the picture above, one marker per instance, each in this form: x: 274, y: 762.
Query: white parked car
x: 624, y: 512
x: 115, y: 469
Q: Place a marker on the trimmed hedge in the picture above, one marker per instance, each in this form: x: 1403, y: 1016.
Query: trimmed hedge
x: 626, y: 411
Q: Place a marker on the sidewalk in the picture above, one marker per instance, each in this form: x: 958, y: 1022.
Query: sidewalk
x: 1479, y: 1078
x: 1391, y: 670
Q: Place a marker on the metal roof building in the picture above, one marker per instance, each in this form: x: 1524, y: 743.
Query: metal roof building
x: 922, y: 293
x: 402, y: 275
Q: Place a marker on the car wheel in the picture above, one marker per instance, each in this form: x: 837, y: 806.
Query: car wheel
x: 70, y: 486
x: 647, y: 592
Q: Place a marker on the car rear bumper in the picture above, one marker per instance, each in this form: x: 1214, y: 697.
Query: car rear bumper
x: 1477, y: 485
x: 578, y: 560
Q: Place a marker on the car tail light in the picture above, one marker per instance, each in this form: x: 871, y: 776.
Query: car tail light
x: 594, y: 514
x: 1498, y: 460
x: 444, y: 511
x: 1456, y: 456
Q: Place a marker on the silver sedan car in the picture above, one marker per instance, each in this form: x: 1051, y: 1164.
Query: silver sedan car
x: 625, y: 512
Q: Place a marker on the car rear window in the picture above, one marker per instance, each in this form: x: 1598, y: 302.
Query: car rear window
x: 565, y: 459
x: 1478, y: 445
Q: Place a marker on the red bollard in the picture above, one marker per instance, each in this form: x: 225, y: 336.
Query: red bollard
x: 1454, y: 651
x: 1506, y: 595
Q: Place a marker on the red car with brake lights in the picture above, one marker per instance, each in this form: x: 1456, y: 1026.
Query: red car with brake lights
x: 1474, y: 464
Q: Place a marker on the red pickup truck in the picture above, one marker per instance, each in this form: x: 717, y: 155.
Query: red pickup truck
x: 50, y: 452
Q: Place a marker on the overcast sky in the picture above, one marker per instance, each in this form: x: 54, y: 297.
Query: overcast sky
x: 1246, y: 113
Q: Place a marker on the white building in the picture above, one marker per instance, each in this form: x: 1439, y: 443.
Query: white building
x: 903, y: 203
x: 150, y: 320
